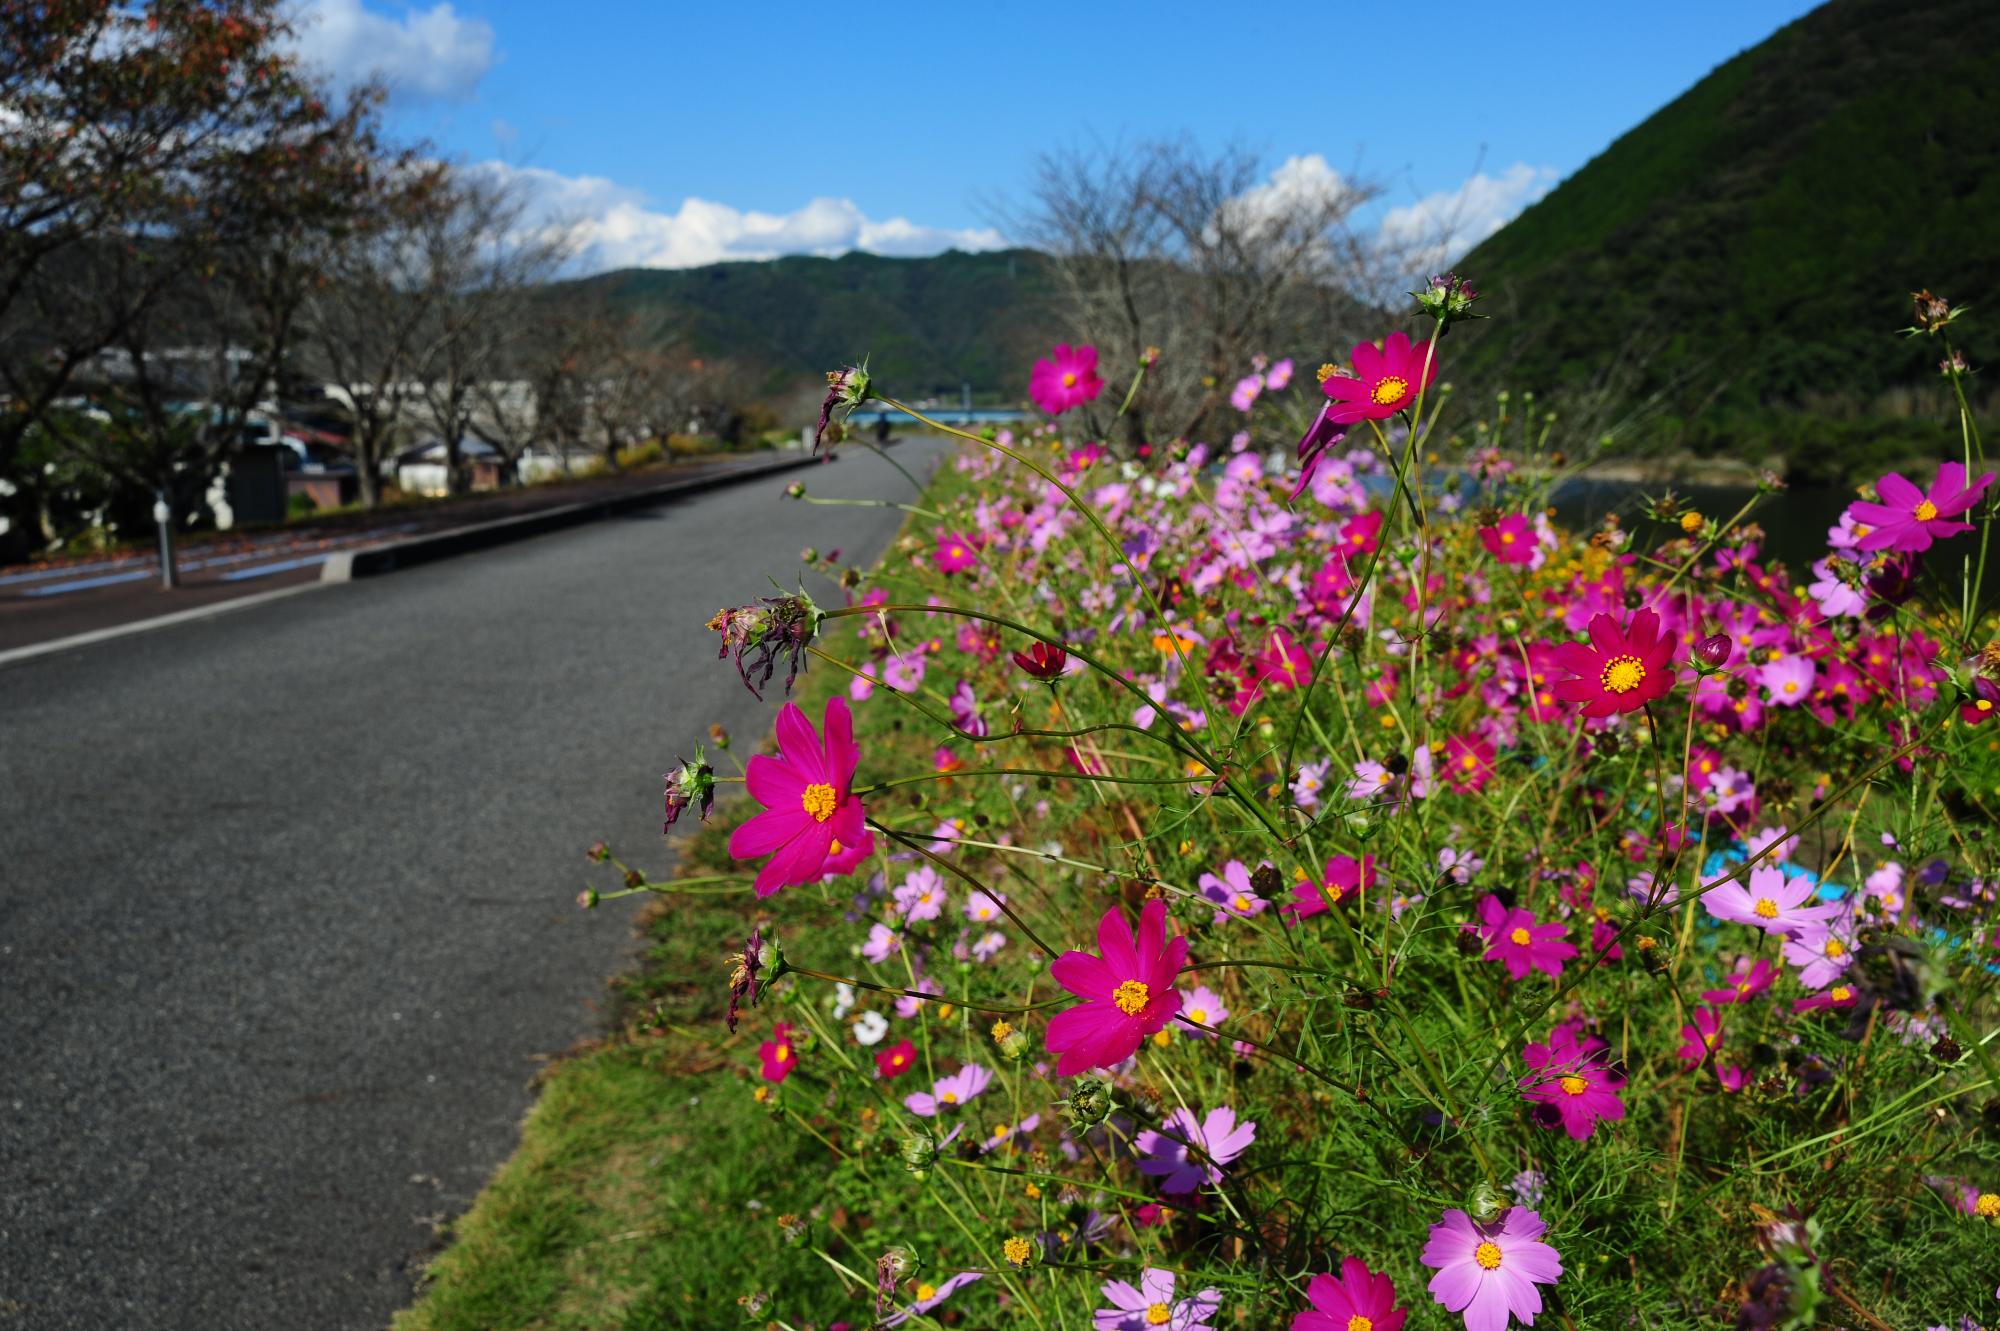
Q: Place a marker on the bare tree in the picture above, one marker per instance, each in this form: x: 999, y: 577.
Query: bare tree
x: 1165, y: 245
x: 480, y: 257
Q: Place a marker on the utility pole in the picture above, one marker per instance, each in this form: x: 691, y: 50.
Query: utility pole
x: 163, y: 517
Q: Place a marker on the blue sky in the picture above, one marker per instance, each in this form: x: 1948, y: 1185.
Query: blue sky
x: 683, y: 133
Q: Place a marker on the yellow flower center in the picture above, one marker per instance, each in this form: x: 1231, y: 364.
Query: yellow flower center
x: 1926, y: 511
x: 1391, y: 389
x: 1468, y: 762
x: 1159, y: 1314
x: 1988, y: 1205
x: 1622, y: 674
x: 925, y: 1293
x: 1573, y: 1085
x: 1001, y: 1030
x: 1198, y: 1014
x: 1835, y: 948
x: 948, y: 1098
x: 1016, y: 1250
x: 957, y: 551
x: 818, y: 800
x: 1791, y: 686
x: 1506, y: 538
x: 1242, y: 902
x: 1000, y: 1131
x: 1487, y: 1255
x: 1840, y: 993
x: 1069, y: 380
x: 1327, y: 371
x: 1519, y: 937
x: 1131, y: 997
x: 1360, y: 1323
x: 1766, y: 908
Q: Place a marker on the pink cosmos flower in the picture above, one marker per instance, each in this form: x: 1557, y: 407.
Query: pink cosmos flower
x: 1203, y: 1005
x: 1516, y: 940
x: 1910, y: 519
x: 1749, y: 979
x: 955, y: 554
x: 1320, y: 436
x: 777, y: 1053
x: 1153, y: 1307
x: 1360, y: 1300
x: 1822, y: 952
x: 810, y: 814
x: 947, y: 1092
x: 1244, y: 395
x: 1699, y: 1036
x: 1128, y: 992
x: 1840, y: 996
x: 1345, y: 877
x: 1511, y: 540
x: 930, y: 1296
x: 1789, y: 679
x: 1386, y: 379
x: 1621, y: 669
x: 1490, y: 1271
x: 1217, y: 1140
x: 1279, y: 376
x: 1067, y: 378
x: 1769, y: 901
x: 1468, y: 763
x: 1571, y: 1083
x: 1233, y: 894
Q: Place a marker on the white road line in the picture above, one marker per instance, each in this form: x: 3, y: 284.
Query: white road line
x: 35, y: 650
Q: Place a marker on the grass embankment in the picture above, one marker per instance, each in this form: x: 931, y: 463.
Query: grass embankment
x: 649, y: 1184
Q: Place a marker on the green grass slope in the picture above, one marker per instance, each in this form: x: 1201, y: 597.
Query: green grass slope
x: 1737, y: 256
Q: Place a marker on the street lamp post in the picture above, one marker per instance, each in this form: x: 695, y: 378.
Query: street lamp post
x: 163, y: 517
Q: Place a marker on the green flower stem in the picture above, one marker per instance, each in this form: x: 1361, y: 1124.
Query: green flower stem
x: 943, y: 863
x: 971, y: 1005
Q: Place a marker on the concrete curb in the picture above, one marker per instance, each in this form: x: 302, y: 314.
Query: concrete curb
x: 374, y: 560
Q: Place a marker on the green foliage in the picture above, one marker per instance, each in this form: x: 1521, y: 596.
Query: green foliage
x: 1739, y: 254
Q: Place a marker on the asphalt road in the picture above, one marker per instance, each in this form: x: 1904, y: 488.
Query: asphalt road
x: 287, y: 900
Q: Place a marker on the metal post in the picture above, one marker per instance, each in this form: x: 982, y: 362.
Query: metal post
x: 163, y: 517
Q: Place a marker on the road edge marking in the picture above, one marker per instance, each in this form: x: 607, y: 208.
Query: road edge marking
x: 35, y: 650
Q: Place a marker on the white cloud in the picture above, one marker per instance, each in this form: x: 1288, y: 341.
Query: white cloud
x: 614, y: 227
x: 430, y: 54
x: 1438, y: 230
x: 1303, y: 187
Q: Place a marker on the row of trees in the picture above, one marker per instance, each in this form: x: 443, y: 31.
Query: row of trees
x: 192, y: 226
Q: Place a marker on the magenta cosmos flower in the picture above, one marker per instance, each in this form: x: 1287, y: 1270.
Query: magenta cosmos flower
x: 1128, y: 992
x: 811, y: 818
x: 1514, y: 939
x: 777, y: 1053
x: 954, y: 554
x: 1571, y: 1083
x: 1359, y: 1300
x: 1619, y: 669
x: 1511, y: 540
x: 1067, y: 378
x: 1490, y: 1271
x: 1218, y: 1138
x: 1910, y: 519
x: 1386, y: 379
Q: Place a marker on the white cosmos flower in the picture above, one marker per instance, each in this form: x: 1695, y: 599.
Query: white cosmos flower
x: 870, y: 1027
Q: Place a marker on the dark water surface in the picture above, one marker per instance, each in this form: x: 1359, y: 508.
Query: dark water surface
x: 1795, y: 521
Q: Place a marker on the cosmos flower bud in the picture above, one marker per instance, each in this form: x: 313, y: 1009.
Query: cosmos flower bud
x: 1020, y: 1252
x: 1089, y: 1102
x: 796, y: 490
x: 1448, y: 299
x: 1713, y: 652
x: 1485, y: 1202
x: 920, y: 1152
x: 598, y: 852
x: 691, y: 785
x: 587, y: 898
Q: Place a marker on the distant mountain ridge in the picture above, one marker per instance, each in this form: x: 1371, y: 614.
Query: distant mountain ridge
x: 1748, y: 251
x: 928, y: 326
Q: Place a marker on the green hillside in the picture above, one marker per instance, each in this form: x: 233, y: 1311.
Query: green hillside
x: 927, y: 325
x: 1739, y: 259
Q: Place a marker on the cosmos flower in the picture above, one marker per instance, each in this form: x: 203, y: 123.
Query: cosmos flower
x: 1358, y: 1300
x: 777, y: 1053
x: 1571, y: 1083
x: 1067, y: 378
x: 930, y: 1296
x: 1514, y: 939
x: 954, y: 554
x: 897, y: 1059
x: 1345, y: 877
x: 1128, y: 991
x: 1489, y: 1271
x: 1203, y: 1005
x: 947, y: 1092
x: 1468, y: 763
x: 1770, y: 901
x: 1152, y: 1305
x: 1218, y: 1138
x: 1511, y: 540
x: 1909, y: 519
x: 1042, y: 661
x: 1788, y: 680
x: 921, y: 896
x: 1386, y: 379
x: 810, y: 814
x: 1750, y: 978
x: 1620, y: 669
x: 1699, y: 1036
x: 982, y: 907
x: 1822, y: 952
x: 1233, y: 894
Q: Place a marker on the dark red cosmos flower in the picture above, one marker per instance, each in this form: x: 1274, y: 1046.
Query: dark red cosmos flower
x: 897, y: 1059
x: 1042, y: 660
x: 1619, y: 669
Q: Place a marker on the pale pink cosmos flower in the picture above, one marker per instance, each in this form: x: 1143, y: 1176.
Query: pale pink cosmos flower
x: 1769, y: 901
x: 947, y: 1092
x: 1204, y: 1006
x: 1217, y: 1138
x: 1488, y: 1272
x: 1151, y: 1305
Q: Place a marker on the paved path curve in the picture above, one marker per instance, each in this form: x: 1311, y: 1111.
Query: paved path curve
x: 286, y: 901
